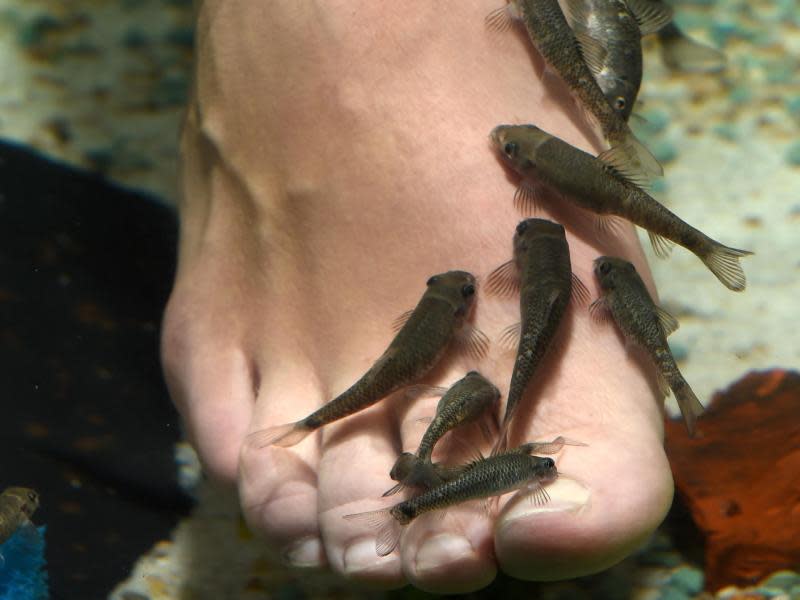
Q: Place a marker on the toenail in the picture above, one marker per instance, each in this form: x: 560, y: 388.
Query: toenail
x: 566, y: 495
x: 306, y: 553
x: 362, y: 556
x: 441, y: 550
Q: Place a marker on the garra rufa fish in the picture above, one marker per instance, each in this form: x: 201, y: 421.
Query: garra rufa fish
x: 464, y: 402
x: 439, y: 320
x: 625, y: 298
x: 484, y: 478
x: 541, y: 272
x: 606, y: 189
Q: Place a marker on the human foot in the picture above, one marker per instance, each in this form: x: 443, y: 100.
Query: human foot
x: 334, y: 159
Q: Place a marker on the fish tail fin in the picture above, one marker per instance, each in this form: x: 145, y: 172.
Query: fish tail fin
x: 285, y: 435
x: 681, y: 53
x: 388, y: 528
x: 724, y: 264
x: 690, y: 406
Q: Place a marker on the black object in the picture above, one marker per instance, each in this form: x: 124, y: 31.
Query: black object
x: 85, y: 271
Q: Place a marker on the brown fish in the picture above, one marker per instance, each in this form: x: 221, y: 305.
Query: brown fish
x: 426, y: 332
x: 17, y: 505
x: 484, y: 478
x: 569, y: 54
x: 606, y: 189
x: 645, y: 324
x: 465, y: 401
x: 542, y: 273
x: 681, y: 53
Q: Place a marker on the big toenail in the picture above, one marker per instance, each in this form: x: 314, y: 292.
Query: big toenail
x: 442, y: 550
x: 362, y: 556
x: 566, y: 495
x: 305, y: 553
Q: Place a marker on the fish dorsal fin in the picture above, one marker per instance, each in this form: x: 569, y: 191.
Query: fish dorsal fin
x: 668, y: 323
x: 504, y: 280
x: 509, y: 337
x: 617, y: 160
x: 661, y: 246
x: 400, y: 321
x: 651, y: 15
x: 599, y: 311
x: 580, y: 293
x: 472, y: 341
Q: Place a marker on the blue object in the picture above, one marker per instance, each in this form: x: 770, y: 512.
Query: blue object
x: 22, y: 573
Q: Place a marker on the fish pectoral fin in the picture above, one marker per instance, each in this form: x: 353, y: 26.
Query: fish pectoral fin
x: 661, y: 245
x: 663, y: 386
x: 394, y: 489
x: 424, y: 420
x: 527, y: 198
x: 472, y: 341
x: 536, y: 493
x: 509, y: 337
x: 668, y: 323
x: 486, y: 431
x: 400, y: 321
x: 609, y: 226
x: 579, y: 295
x: 650, y: 15
x: 632, y: 161
x: 598, y: 310
x: 501, y: 19
x: 504, y: 280
x: 592, y: 50
x: 421, y: 390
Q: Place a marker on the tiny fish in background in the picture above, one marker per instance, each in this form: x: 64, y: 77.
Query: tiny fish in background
x: 465, y: 402
x: 17, y: 505
x: 625, y: 297
x: 426, y: 332
x: 605, y: 188
x: 483, y: 478
x: 541, y: 272
x: 569, y: 56
x: 681, y: 53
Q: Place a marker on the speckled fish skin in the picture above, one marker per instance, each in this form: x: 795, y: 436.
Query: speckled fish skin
x: 615, y: 28
x: 541, y: 254
x: 593, y: 185
x: 465, y: 401
x: 416, y: 348
x: 17, y: 505
x: 625, y: 296
x: 553, y: 38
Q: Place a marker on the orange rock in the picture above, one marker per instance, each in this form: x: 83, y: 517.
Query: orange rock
x: 740, y: 477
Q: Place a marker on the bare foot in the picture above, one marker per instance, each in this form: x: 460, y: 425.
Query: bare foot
x: 333, y: 159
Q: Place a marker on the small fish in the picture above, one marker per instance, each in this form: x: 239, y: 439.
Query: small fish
x: 17, y: 505
x: 484, y: 478
x: 425, y: 333
x: 569, y: 54
x: 645, y: 324
x: 681, y: 53
x: 465, y: 401
x: 541, y: 272
x: 606, y: 189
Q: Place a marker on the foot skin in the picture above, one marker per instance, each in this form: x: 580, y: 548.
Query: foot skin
x: 333, y: 159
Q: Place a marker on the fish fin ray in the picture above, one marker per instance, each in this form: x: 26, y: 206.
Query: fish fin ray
x: 389, y: 528
x: 486, y: 432
x: 535, y: 492
x: 509, y: 337
x: 663, y: 385
x: 661, y: 245
x: 650, y: 15
x: 394, y: 489
x: 691, y: 407
x: 724, y: 264
x: 421, y: 390
x: 599, y: 310
x: 424, y: 420
x: 592, y: 50
x: 580, y: 293
x: 504, y: 280
x: 527, y: 198
x: 500, y: 19
x: 609, y: 226
x: 668, y: 323
x: 284, y: 435
x: 401, y: 320
x: 473, y: 341
x: 618, y: 161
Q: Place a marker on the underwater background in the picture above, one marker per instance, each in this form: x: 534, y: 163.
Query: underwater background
x: 91, y: 97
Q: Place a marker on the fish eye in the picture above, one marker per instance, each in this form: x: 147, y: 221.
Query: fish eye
x: 510, y: 149
x: 604, y: 268
x: 468, y: 290
x: 523, y: 225
x: 432, y: 280
x: 620, y: 102
x: 548, y: 463
x: 32, y: 496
